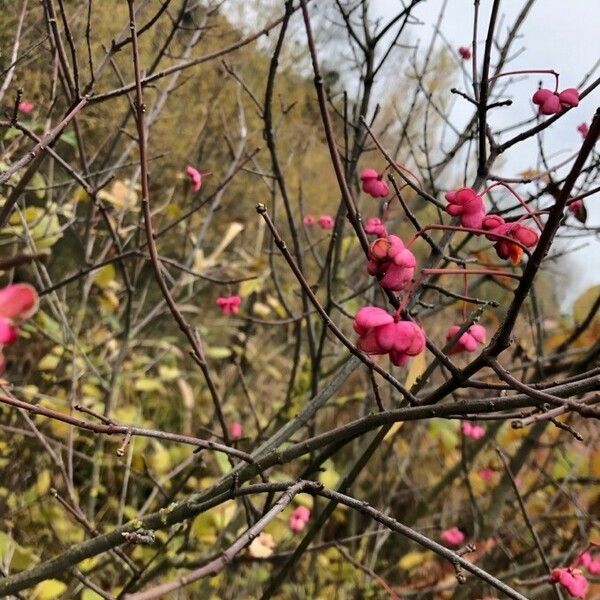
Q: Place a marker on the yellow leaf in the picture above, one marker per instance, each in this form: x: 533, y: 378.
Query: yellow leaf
x: 173, y: 211
x: 160, y: 459
x: 50, y: 589
x: 29, y: 392
x: 261, y: 310
x: 232, y: 232
x: 109, y: 301
x: 329, y: 478
x: 20, y: 557
x: 90, y: 391
x: 249, y: 287
x: 43, y: 482
x: 88, y: 564
x: 46, y: 232
x: 556, y: 340
x: 128, y: 414
x: 595, y: 464
x: 104, y: 276
x: 187, y: 394
x: 168, y: 373
x: 30, y: 214
x: 276, y: 306
x: 417, y: 368
x: 122, y: 195
x: 412, y: 559
x: 58, y: 428
x: 79, y: 195
x: 39, y: 184
x: 223, y: 462
x: 203, y: 529
x: 147, y: 384
x: 218, y: 352
x: 223, y: 514
x: 49, y: 362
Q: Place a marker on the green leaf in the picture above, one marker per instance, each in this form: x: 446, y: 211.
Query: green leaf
x: 11, y: 133
x: 69, y: 138
x: 218, y: 352
x: 223, y: 462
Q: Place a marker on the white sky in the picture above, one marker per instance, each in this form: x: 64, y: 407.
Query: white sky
x: 564, y: 36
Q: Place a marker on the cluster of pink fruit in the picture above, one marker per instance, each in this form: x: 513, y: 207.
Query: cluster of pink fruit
x: 18, y: 302
x: 509, y: 238
x: 453, y: 537
x: 551, y: 103
x: 572, y: 578
x: 326, y: 222
x: 229, y: 305
x: 299, y: 518
x: 381, y: 333
x: 26, y: 107
x: 394, y: 265
x: 471, y: 430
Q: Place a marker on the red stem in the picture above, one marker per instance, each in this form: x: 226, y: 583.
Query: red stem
x: 498, y: 236
x: 466, y: 272
x: 521, y: 201
x: 528, y: 71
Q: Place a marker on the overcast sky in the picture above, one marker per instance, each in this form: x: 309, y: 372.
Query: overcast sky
x: 564, y: 36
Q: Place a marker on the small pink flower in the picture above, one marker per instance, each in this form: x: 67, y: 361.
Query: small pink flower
x: 571, y: 579
x: 229, y: 305
x: 465, y: 52
x: 486, y: 473
x: 25, y: 107
x: 18, y: 302
x: 326, y: 222
x: 467, y: 204
x: 495, y: 224
x: 309, y: 220
x: 471, y: 430
x: 195, y: 177
x: 469, y: 340
x: 452, y: 537
x: 583, y: 129
x: 375, y: 226
x: 373, y: 184
x: 299, y: 518
x: 391, y: 262
x: 236, y: 430
x: 381, y: 333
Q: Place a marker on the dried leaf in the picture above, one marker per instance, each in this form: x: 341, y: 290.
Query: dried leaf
x: 262, y: 546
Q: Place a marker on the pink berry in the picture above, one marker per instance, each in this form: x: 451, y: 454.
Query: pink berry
x: 195, y: 177
x: 465, y: 52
